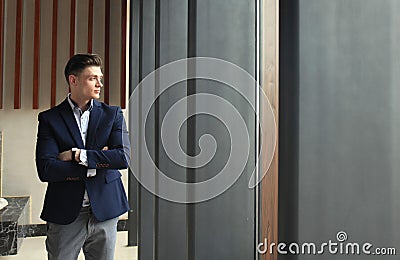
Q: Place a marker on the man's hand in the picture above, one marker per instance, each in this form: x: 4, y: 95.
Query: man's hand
x: 77, y: 155
x: 65, y: 156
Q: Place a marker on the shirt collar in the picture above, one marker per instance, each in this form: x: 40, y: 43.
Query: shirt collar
x: 75, y: 106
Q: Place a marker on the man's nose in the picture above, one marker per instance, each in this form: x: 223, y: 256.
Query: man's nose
x: 99, y: 83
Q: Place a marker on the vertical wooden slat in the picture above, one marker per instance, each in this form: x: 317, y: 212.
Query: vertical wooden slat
x: 1, y: 50
x: 90, y: 27
x: 72, y: 28
x: 270, y: 84
x: 54, y: 54
x: 107, y: 53
x: 18, y: 56
x: 36, y: 61
x: 123, y: 51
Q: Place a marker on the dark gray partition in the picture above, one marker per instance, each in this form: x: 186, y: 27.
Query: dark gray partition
x: 223, y: 227
x: 349, y: 125
x: 171, y: 236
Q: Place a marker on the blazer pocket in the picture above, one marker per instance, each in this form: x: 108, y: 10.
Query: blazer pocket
x: 112, y: 176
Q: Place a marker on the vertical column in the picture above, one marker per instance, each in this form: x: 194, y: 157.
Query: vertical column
x: 269, y: 79
x: 147, y: 236
x: 135, y: 72
x: 54, y: 55
x: 225, y: 226
x: 172, y: 45
x: 72, y: 28
x: 18, y: 53
x: 124, y: 17
x: 222, y: 227
x: 156, y: 127
x: 191, y: 145
x: 90, y: 27
x: 36, y: 56
x: 107, y: 53
x: 288, y: 122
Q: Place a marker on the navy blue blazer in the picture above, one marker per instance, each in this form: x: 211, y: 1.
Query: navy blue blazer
x: 67, y: 180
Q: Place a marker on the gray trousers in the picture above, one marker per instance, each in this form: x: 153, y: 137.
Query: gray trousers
x: 97, y: 239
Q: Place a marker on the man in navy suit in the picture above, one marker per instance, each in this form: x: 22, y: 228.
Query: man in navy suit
x: 81, y: 145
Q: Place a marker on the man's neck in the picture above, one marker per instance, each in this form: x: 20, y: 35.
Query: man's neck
x: 82, y: 104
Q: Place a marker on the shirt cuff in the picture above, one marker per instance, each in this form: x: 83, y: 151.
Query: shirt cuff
x: 83, y: 158
x: 91, y: 172
x: 83, y: 161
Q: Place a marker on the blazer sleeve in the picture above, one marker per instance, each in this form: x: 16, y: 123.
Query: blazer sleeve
x: 49, y: 168
x: 118, y: 154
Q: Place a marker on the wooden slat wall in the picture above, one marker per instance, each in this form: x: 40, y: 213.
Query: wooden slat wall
x: 270, y: 79
x: 54, y: 36
x: 18, y: 55
x: 124, y: 22
x: 36, y: 56
x: 1, y: 50
x: 72, y: 28
x: 54, y: 54
x: 90, y: 27
x: 107, y: 53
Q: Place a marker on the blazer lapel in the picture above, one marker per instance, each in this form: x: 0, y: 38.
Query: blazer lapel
x: 68, y: 116
x: 94, y: 121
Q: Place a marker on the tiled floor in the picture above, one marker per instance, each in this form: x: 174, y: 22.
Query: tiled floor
x: 33, y: 248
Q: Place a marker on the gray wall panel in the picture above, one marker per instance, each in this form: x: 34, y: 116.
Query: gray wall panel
x: 172, y: 216
x: 225, y: 225
x: 349, y: 123
x: 146, y: 246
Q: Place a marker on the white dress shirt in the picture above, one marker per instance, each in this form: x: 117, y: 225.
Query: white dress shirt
x: 82, y: 120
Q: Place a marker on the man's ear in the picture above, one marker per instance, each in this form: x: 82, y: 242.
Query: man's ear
x: 72, y: 80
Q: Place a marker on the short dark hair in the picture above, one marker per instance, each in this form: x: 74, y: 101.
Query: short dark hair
x: 79, y: 62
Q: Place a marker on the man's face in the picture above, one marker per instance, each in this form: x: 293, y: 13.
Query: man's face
x: 87, y: 84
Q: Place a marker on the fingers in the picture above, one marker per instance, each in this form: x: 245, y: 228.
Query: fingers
x: 77, y: 155
x: 65, y: 156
